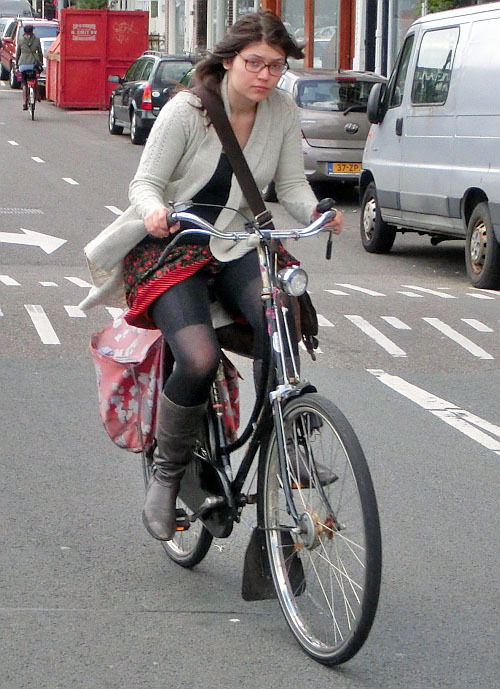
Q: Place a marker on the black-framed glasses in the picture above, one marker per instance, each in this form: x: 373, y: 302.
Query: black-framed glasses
x: 256, y: 64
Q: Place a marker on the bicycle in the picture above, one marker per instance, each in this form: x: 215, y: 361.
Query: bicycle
x: 31, y: 85
x: 322, y: 538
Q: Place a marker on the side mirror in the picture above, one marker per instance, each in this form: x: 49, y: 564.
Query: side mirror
x: 115, y: 79
x: 375, y: 110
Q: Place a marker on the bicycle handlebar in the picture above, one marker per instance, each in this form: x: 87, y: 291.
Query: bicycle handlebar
x: 206, y: 229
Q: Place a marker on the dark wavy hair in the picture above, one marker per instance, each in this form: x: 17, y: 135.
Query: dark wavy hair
x: 255, y: 27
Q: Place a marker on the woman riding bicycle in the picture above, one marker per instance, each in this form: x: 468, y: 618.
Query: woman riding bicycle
x: 183, y: 159
x: 29, y: 57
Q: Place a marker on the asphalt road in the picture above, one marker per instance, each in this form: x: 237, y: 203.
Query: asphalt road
x: 408, y: 351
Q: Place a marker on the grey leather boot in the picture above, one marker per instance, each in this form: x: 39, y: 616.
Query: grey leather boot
x: 177, y: 431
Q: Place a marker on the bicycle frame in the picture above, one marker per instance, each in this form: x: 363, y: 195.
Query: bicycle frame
x: 280, y: 381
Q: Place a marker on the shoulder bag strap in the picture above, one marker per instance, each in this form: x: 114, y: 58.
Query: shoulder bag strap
x: 215, y: 108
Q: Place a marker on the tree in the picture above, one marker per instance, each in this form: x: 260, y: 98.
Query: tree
x: 441, y: 5
x: 91, y: 4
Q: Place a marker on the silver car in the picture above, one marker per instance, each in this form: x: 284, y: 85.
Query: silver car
x: 333, y: 118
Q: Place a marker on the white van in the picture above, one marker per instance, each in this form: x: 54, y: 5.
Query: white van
x: 432, y: 158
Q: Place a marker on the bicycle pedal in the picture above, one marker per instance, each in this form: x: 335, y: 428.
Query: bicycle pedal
x: 182, y: 522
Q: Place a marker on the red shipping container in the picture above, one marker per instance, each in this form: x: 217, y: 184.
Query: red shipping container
x: 92, y: 45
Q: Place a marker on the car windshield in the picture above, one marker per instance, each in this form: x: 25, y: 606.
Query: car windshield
x: 332, y: 94
x: 46, y: 31
x: 169, y: 71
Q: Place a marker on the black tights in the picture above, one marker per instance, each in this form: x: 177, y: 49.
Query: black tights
x: 182, y: 313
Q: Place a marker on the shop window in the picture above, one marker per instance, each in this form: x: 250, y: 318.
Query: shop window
x: 434, y: 64
x: 154, y: 9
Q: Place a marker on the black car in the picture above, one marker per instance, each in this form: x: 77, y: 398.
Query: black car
x: 147, y: 85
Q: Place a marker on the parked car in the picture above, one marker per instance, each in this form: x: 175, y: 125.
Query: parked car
x: 431, y: 163
x: 332, y: 106
x: 16, y: 8
x: 45, y: 29
x: 146, y: 86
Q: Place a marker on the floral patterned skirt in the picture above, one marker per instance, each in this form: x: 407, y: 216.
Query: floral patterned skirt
x: 147, y: 275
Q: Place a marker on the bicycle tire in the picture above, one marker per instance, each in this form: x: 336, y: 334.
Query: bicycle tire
x: 330, y: 617
x: 32, y: 102
x: 187, y: 548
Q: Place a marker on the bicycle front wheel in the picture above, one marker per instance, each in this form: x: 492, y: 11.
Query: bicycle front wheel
x: 327, y: 578
x: 189, y: 547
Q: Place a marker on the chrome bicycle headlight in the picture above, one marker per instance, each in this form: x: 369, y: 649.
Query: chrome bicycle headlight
x: 293, y: 280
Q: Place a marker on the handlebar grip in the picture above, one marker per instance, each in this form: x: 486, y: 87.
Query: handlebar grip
x: 325, y: 205
x: 171, y: 219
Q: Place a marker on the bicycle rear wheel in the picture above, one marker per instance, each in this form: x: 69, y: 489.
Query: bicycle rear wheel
x: 328, y: 577
x: 189, y: 547
x: 31, y: 101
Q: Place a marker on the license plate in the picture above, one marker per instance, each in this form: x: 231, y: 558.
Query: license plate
x: 342, y: 168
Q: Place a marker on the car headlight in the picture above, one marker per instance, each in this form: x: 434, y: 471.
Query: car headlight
x: 293, y: 280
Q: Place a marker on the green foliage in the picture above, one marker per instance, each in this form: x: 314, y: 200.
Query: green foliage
x: 91, y: 4
x: 441, y: 5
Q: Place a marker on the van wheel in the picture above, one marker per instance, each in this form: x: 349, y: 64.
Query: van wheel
x: 482, y: 251
x: 377, y: 236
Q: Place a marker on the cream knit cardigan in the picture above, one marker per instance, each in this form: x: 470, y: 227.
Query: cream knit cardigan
x: 180, y: 157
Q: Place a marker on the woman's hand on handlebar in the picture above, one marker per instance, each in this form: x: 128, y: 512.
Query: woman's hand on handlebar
x: 156, y: 223
x: 336, y: 224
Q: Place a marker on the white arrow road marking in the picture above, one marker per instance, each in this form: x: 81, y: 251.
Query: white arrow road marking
x: 395, y: 322
x: 370, y: 330
x: 79, y: 282
x: 75, y: 312
x: 42, y: 324
x: 114, y: 210
x: 365, y: 290
x: 443, y: 295
x: 7, y: 280
x: 477, y: 325
x: 461, y: 340
x: 46, y: 242
x: 467, y: 423
x: 70, y: 180
x: 322, y: 321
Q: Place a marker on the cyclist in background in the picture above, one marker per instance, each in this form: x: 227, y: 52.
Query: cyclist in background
x: 29, y: 56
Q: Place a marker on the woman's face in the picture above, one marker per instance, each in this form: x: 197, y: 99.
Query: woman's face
x: 245, y: 86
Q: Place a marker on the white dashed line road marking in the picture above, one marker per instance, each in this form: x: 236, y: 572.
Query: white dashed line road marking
x: 78, y: 282
x: 461, y: 340
x: 1, y: 313
x: 316, y: 351
x: 443, y: 295
x: 75, y: 312
x: 113, y: 311
x: 324, y: 322
x: 395, y: 322
x: 364, y: 290
x: 70, y: 180
x: 9, y: 281
x: 478, y: 295
x: 467, y: 423
x: 370, y: 330
x: 114, y: 210
x: 477, y: 325
x: 411, y: 294
x: 49, y: 284
x: 13, y: 143
x: 37, y: 159
x: 42, y: 324
x: 337, y: 292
